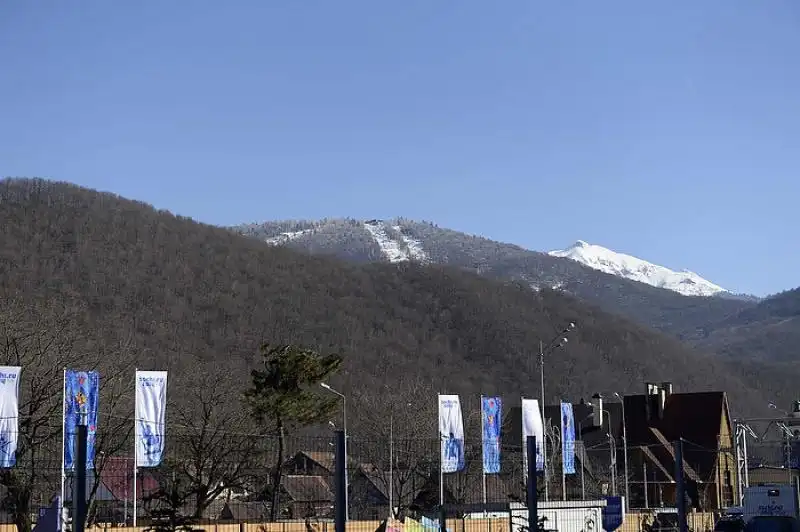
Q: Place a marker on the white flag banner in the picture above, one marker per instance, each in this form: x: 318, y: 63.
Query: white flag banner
x: 532, y: 426
x: 451, y: 434
x: 151, y: 407
x: 9, y: 415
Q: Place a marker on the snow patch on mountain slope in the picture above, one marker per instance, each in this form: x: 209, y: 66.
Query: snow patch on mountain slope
x: 414, y: 246
x: 286, y: 237
x: 622, y: 265
x: 396, y: 247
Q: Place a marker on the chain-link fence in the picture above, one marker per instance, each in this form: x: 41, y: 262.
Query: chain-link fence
x: 236, y: 478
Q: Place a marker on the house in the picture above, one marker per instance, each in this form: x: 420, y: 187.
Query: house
x: 368, y: 484
x: 307, y: 496
x: 765, y: 475
x: 702, y: 420
x: 315, y: 463
x: 653, y: 422
x: 370, y: 494
x: 113, y: 489
x: 463, y: 488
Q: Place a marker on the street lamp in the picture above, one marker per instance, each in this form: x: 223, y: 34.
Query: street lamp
x: 344, y: 427
x: 625, y: 448
x: 559, y: 341
x: 612, y: 446
x: 583, y: 456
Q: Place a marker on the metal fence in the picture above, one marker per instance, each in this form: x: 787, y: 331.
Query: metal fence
x: 234, y: 478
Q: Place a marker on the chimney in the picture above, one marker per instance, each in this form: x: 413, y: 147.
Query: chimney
x: 653, y: 401
x: 597, y: 410
x: 662, y: 400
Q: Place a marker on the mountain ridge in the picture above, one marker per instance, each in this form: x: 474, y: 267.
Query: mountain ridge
x: 717, y: 323
x: 624, y: 265
x: 350, y: 239
x: 188, y: 296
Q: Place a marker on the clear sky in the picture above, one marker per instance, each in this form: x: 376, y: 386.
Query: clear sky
x: 666, y: 130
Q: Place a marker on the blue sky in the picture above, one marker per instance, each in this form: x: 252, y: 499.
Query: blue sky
x: 667, y: 130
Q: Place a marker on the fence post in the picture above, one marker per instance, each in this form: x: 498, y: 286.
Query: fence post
x: 340, y: 482
x: 79, y: 489
x: 680, y: 487
x: 533, y: 514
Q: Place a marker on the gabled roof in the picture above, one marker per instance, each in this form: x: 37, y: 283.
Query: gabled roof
x: 379, y: 479
x: 117, y: 477
x: 694, y: 417
x: 307, y: 488
x: 242, y: 511
x: 326, y: 460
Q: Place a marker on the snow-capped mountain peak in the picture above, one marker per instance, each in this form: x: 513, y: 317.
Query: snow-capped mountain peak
x: 684, y: 282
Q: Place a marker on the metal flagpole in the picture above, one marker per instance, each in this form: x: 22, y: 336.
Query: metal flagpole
x: 441, y: 461
x: 483, y: 450
x: 545, y: 469
x: 135, y: 442
x: 563, y: 462
x: 63, y: 448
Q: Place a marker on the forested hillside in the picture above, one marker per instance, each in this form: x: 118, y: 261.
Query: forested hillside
x: 769, y: 331
x: 150, y: 289
x: 687, y: 318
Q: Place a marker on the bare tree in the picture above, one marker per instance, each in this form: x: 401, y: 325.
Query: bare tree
x: 43, y: 341
x: 115, y: 422
x: 216, y: 444
x: 399, y: 445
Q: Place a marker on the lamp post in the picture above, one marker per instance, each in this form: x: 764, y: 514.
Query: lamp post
x: 625, y: 448
x: 344, y: 427
x: 612, y: 446
x: 559, y: 341
x: 583, y: 457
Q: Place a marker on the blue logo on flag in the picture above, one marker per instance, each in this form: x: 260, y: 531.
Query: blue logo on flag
x: 82, y: 390
x: 492, y: 411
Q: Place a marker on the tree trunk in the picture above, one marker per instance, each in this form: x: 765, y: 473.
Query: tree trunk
x: 276, y: 475
x: 202, y: 501
x: 22, y: 516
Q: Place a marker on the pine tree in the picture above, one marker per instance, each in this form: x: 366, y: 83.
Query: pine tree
x: 283, y: 396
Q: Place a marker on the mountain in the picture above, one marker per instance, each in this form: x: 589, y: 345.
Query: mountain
x: 768, y: 331
x: 629, y: 267
x: 401, y: 240
x: 193, y: 298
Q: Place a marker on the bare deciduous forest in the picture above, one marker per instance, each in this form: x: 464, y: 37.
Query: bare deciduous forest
x: 189, y: 298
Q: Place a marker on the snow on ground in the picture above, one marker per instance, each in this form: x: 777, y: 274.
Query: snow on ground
x: 415, y: 251
x: 636, y: 269
x: 390, y: 248
x: 283, y: 238
x: 410, y: 250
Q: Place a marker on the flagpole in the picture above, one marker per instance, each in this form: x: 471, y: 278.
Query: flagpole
x: 135, y: 424
x: 524, y: 443
x: 563, y: 456
x: 441, y: 458
x: 483, y: 456
x: 63, y: 447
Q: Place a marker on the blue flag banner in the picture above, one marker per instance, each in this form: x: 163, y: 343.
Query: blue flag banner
x: 451, y: 433
x: 81, y: 390
x: 491, y: 412
x: 567, y: 439
x: 9, y: 415
x: 151, y: 407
